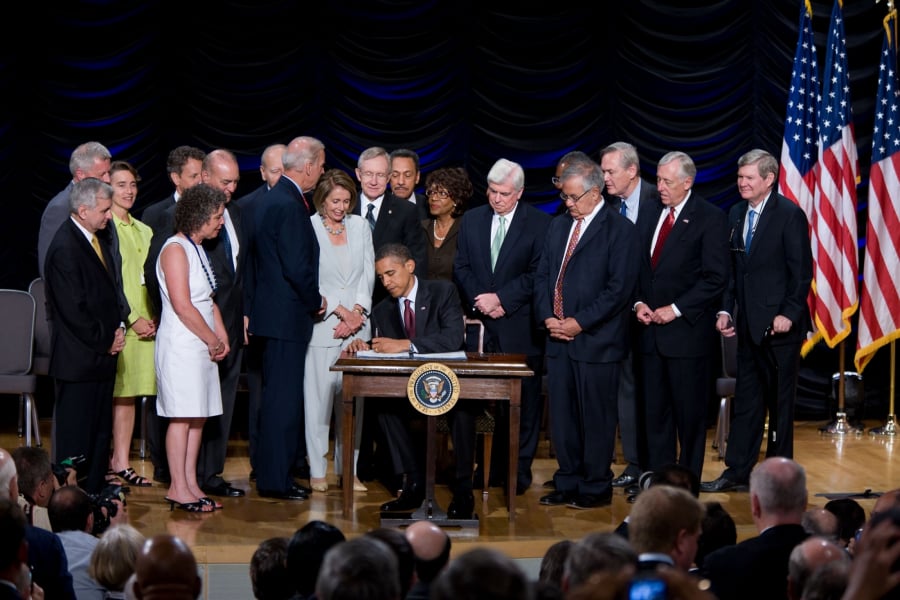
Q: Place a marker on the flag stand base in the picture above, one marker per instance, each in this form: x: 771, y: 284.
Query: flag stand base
x: 840, y: 426
x: 889, y: 428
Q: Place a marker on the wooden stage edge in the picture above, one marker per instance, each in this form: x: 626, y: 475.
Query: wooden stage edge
x: 847, y: 463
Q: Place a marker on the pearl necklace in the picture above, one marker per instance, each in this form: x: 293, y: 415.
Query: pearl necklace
x: 434, y: 231
x: 333, y: 231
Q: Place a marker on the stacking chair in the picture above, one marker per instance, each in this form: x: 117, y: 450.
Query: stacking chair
x: 17, y: 310
x: 725, y: 386
x: 40, y: 360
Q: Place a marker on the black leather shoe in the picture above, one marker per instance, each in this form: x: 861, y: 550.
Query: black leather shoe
x: 624, y: 480
x: 292, y: 493
x: 723, y: 485
x: 633, y: 490
x: 556, y: 498
x: 410, y: 498
x: 585, y: 501
x: 223, y: 489
x: 461, y: 507
x: 305, y: 488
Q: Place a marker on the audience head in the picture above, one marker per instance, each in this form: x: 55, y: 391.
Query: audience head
x: 886, y: 501
x: 406, y: 559
x: 667, y: 520
x: 13, y: 547
x: 269, y: 575
x: 304, y: 161
x: 599, y: 552
x: 166, y: 570
x: 373, y: 169
x: 35, y: 474
x: 335, y: 186
x: 90, y: 159
x: 431, y: 547
x: 455, y: 183
x: 70, y: 510
x: 828, y: 582
x: 200, y: 211
x: 821, y: 522
x: 9, y: 484
x: 717, y: 531
x: 850, y: 517
x: 482, y: 574
x: 270, y: 165
x: 676, y: 475
x: 363, y: 568
x: 90, y: 202
x: 404, y: 173
x: 553, y: 563
x: 807, y: 557
x: 777, y: 492
x: 183, y: 166
x: 621, y: 168
x: 306, y: 551
x: 115, y: 555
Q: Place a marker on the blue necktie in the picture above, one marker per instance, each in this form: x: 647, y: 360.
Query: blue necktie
x: 223, y: 233
x: 623, y: 209
x: 751, y: 226
x: 370, y: 215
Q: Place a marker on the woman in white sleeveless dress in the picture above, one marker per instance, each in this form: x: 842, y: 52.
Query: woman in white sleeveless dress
x: 190, y: 340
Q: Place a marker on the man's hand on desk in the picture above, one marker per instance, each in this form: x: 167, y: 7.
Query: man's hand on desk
x: 380, y: 344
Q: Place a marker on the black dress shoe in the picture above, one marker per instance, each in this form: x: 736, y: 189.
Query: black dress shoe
x: 585, y: 501
x: 409, y: 499
x: 556, y: 498
x: 223, y: 489
x: 305, y: 488
x: 461, y: 507
x: 624, y: 480
x: 633, y: 490
x: 292, y: 493
x: 722, y: 485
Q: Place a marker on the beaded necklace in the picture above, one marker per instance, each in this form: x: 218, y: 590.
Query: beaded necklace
x: 329, y: 229
x: 210, y: 275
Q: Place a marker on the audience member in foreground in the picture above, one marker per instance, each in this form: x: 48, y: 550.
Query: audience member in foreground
x: 114, y: 557
x: 665, y: 527
x: 13, y: 552
x: 807, y: 557
x: 597, y: 553
x: 166, y: 570
x: 431, y: 548
x: 364, y: 567
x: 269, y: 576
x: 306, y: 551
x: 482, y: 573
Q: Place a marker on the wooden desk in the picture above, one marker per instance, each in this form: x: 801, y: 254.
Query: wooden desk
x: 481, y: 377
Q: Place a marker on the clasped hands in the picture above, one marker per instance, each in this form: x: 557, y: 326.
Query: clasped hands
x: 218, y: 349
x: 660, y: 316
x: 118, y: 341
x: 489, y: 304
x: 562, y: 329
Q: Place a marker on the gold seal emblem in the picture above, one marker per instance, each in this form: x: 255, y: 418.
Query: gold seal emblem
x: 433, y: 389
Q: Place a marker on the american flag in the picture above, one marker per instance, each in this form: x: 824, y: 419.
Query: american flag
x: 796, y: 175
x: 879, y: 313
x: 837, y: 173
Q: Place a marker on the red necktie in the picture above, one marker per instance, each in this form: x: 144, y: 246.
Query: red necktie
x: 661, y: 238
x: 409, y: 320
x: 557, y: 292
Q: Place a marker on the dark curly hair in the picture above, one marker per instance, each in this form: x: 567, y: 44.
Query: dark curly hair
x: 196, y: 206
x: 456, y: 181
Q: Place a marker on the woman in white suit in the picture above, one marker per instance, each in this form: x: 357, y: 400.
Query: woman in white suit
x: 346, y: 278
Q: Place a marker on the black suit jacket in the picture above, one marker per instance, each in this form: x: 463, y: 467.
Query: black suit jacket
x: 512, y: 279
x: 398, y: 222
x: 281, y: 287
x: 160, y: 217
x: 229, y: 280
x: 692, y: 273
x: 83, y: 301
x: 775, y: 276
x: 755, y: 568
x: 648, y: 201
x: 439, y: 318
x: 154, y: 217
x: 598, y: 286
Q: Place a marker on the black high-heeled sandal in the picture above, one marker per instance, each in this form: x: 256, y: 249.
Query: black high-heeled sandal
x: 207, y: 501
x: 193, y: 507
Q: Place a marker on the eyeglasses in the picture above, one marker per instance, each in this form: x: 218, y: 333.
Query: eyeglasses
x: 555, y: 181
x: 373, y: 174
x: 442, y: 194
x: 574, y: 199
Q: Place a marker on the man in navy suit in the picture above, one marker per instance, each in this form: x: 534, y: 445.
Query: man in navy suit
x: 88, y: 330
x: 281, y: 295
x: 496, y: 282
x: 436, y: 326
x: 682, y: 276
x: 772, y: 272
x: 583, y: 287
x: 638, y: 200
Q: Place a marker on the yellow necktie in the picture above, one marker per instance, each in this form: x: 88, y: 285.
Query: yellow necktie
x: 96, y: 244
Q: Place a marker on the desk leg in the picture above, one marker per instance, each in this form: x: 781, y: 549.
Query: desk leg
x: 515, y: 416
x: 347, y: 451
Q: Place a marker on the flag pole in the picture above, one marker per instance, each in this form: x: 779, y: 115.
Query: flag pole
x: 841, y: 425
x: 890, y: 427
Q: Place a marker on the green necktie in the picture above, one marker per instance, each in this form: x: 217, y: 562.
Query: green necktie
x: 498, y: 242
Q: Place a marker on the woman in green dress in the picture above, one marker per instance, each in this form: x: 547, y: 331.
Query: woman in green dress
x: 135, y: 374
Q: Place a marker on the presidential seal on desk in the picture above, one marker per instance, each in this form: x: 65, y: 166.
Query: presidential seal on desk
x: 433, y: 389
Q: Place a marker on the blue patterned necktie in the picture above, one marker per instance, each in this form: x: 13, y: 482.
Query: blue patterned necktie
x: 751, y: 227
x: 370, y: 215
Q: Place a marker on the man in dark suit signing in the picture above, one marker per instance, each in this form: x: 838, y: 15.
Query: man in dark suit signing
x: 88, y: 330
x: 583, y: 288
x: 765, y: 306
x: 758, y: 567
x: 497, y: 252
x: 420, y: 316
x: 684, y: 269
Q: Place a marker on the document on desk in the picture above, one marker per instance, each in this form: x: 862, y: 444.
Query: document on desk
x: 459, y: 355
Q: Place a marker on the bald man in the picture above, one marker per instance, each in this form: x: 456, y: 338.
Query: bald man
x: 431, y: 546
x: 809, y: 556
x: 166, y: 569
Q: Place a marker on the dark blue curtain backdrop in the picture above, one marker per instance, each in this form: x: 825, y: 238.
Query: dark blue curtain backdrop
x: 463, y: 83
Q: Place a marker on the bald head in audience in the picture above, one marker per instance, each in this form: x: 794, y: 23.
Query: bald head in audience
x: 166, y: 569
x: 822, y: 522
x: 807, y: 557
